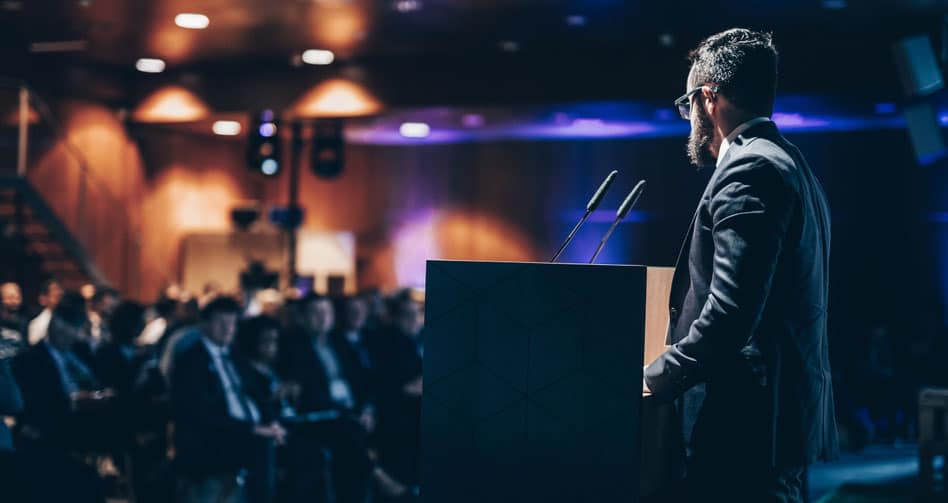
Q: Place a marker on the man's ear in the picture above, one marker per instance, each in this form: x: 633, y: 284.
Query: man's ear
x: 709, y: 99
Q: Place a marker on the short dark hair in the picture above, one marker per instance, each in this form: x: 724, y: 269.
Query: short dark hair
x: 48, y: 285
x: 127, y: 321
x: 220, y: 305
x: 250, y: 331
x: 72, y: 309
x: 165, y: 306
x: 397, y: 303
x: 742, y: 63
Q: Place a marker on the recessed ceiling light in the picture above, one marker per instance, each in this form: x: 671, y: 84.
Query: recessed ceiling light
x: 415, y: 130
x: 226, y: 128
x: 150, y: 65
x: 192, y: 21
x: 407, y: 5
x: 318, y: 57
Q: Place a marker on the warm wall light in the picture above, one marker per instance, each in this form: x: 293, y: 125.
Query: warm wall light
x: 318, y: 57
x: 150, y: 65
x: 415, y: 130
x: 192, y: 21
x: 336, y: 98
x: 226, y: 128
x: 170, y: 104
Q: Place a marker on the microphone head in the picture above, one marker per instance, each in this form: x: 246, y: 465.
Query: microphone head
x: 630, y: 200
x: 601, y: 193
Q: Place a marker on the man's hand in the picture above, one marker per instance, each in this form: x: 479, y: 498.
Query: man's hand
x: 272, y: 431
x: 367, y: 419
x: 414, y: 388
x: 645, y: 389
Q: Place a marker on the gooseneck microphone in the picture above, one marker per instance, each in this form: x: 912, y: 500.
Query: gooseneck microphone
x: 590, y: 207
x: 623, y: 212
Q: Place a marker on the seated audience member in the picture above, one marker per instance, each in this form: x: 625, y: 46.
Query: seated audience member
x: 49, y: 297
x: 326, y: 384
x: 12, y: 322
x: 164, y: 312
x: 378, y: 317
x: 101, y: 306
x: 352, y: 336
x: 257, y: 345
x: 64, y: 406
x: 181, y: 333
x: 218, y: 428
x: 397, y: 354
x: 141, y: 404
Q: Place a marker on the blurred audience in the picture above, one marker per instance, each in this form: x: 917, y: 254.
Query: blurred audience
x: 285, y: 399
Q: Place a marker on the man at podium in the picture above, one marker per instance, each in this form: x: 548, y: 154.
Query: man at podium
x: 748, y: 300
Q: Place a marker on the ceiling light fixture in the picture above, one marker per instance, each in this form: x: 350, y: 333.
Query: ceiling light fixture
x: 150, y: 65
x: 192, y: 21
x: 318, y: 57
x: 226, y: 128
x: 415, y: 130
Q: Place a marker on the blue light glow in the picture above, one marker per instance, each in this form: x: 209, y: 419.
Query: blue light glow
x: 268, y: 129
x: 269, y: 167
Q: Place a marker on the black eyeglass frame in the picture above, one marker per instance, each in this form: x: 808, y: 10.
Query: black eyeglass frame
x: 684, y: 102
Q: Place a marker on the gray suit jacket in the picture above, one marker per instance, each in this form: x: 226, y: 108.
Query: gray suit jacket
x: 748, y: 310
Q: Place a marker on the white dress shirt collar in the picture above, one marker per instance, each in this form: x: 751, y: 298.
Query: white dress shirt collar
x: 726, y: 142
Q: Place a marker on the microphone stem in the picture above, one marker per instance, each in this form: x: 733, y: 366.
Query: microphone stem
x: 602, y: 242
x: 572, y: 234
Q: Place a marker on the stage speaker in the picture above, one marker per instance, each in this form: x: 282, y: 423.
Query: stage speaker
x: 925, y: 132
x: 328, y: 155
x: 917, y: 65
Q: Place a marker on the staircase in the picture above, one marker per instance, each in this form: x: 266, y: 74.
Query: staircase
x: 35, y: 245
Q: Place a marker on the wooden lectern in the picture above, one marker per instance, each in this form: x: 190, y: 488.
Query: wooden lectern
x: 533, y: 378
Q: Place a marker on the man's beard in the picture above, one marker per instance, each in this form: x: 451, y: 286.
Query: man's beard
x: 699, y: 141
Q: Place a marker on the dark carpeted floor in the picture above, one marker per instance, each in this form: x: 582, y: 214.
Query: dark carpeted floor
x: 880, y: 474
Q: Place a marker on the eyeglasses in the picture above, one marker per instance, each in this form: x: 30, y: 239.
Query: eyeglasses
x: 684, y: 103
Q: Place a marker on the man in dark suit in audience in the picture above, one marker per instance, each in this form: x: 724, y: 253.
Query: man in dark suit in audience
x: 327, y: 382
x: 218, y: 426
x: 64, y: 410
x: 59, y: 389
x: 749, y: 297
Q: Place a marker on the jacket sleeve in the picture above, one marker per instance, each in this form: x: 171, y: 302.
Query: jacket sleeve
x: 11, y: 401
x: 750, y: 208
